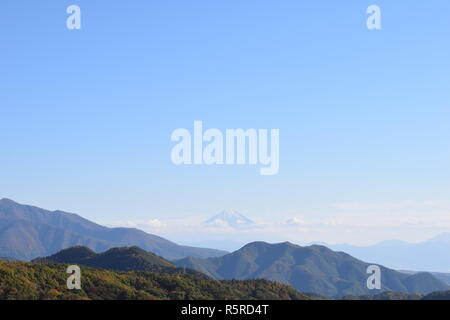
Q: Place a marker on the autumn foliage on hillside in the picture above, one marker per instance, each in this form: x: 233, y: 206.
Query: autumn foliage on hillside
x: 47, y: 281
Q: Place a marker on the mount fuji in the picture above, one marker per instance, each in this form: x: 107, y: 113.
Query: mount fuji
x: 232, y: 219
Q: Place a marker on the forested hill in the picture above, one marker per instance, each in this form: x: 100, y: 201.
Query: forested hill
x: 37, y: 281
x: 120, y: 259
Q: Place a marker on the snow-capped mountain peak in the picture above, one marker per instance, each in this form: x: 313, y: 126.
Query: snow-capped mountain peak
x: 231, y: 219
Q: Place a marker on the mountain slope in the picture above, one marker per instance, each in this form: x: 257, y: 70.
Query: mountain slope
x: 27, y: 232
x: 315, y: 269
x: 39, y: 281
x: 445, y: 277
x: 120, y: 259
x: 126, y: 258
x: 440, y: 295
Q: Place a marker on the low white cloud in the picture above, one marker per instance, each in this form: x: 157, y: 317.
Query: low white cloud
x: 295, y: 221
x: 219, y: 223
x: 155, y: 223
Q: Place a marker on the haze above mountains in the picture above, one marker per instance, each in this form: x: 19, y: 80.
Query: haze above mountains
x: 431, y: 255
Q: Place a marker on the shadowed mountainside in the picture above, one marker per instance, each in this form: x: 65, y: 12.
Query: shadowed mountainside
x: 314, y: 269
x: 121, y: 259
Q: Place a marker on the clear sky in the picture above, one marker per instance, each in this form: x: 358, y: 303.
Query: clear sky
x: 86, y: 115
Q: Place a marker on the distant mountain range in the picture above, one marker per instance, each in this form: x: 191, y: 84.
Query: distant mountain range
x: 28, y: 232
x: 442, y: 276
x: 431, y: 255
x: 315, y: 269
x: 445, y: 277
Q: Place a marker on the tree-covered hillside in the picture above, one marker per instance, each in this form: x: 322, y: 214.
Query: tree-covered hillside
x: 36, y: 281
x: 386, y: 296
x: 439, y: 295
x: 120, y: 259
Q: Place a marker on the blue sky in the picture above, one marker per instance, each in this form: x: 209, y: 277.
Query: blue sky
x: 363, y: 115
